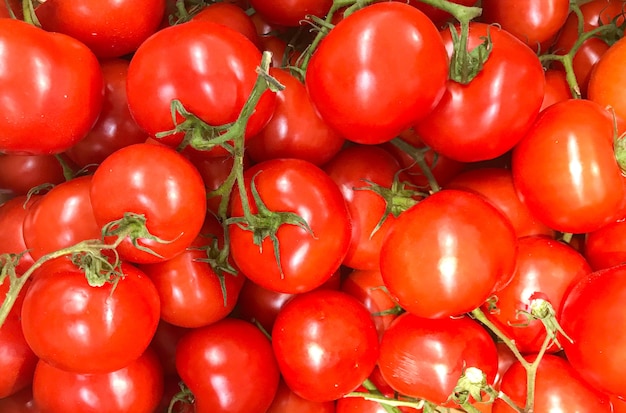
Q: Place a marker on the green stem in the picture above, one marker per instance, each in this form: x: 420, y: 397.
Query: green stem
x: 479, y: 315
x: 29, y: 13
x: 418, y: 156
x: 371, y: 387
x: 458, y: 11
x: 68, y: 172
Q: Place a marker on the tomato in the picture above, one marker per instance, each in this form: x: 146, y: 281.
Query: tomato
x: 115, y: 127
x: 79, y: 328
x: 533, y: 22
x: 20, y: 173
x: 324, y: 353
x: 296, y: 129
x: 597, y: 348
x: 135, y: 388
x: 496, y: 185
x: 446, y: 255
x: 12, y: 215
x: 167, y: 67
x: 232, y: 16
x: 557, y: 88
x: 606, y: 246
x: 424, y: 358
x: 565, y: 169
x: 558, y: 388
x: 290, y: 12
x: 478, y: 121
x: 286, y: 401
x: 50, y: 114
x: 229, y: 366
x: 605, y: 82
x: 368, y: 99
x: 307, y: 260
x: 14, y: 5
x: 109, y: 28
x: 545, y: 269
x: 20, y: 402
x: 169, y: 193
x: 164, y: 344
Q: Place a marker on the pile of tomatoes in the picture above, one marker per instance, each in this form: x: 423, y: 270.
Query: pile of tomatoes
x: 312, y: 206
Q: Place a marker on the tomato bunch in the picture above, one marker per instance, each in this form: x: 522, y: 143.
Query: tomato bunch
x: 312, y: 206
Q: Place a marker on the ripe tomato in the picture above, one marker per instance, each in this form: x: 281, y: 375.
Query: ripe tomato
x: 557, y: 88
x: 228, y: 366
x: 446, y: 255
x: 21, y: 173
x: 169, y: 193
x: 478, y: 121
x: 52, y: 89
x: 606, y: 246
x: 20, y: 402
x: 324, y: 353
x: 286, y: 401
x: 12, y: 215
x: 307, y: 259
x: 290, y: 12
x: 597, y: 350
x: 565, y: 169
x: 438, y: 16
x: 84, y: 329
x: 368, y: 99
x: 232, y: 16
x: 606, y: 83
x: 134, y: 388
x: 425, y: 358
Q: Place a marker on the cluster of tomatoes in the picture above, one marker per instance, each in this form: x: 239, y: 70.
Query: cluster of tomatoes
x: 312, y: 206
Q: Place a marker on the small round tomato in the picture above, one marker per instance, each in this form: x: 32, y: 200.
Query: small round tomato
x: 232, y: 16
x: 606, y: 246
x: 290, y: 12
x: 21, y: 173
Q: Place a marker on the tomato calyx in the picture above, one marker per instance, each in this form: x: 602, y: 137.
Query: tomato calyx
x: 217, y: 259
x: 471, y: 386
x: 184, y: 396
x: 419, y: 156
x: 541, y: 309
x: 465, y: 64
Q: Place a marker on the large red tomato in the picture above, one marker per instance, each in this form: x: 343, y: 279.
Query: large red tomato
x: 368, y: 98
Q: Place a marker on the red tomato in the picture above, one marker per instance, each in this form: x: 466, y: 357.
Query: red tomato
x: 20, y: 402
x: 446, y: 255
x: 307, y: 259
x: 545, y: 269
x: 115, y: 127
x: 606, y: 82
x: 438, y: 16
x: 606, y: 247
x: 135, y: 388
x: 229, y: 366
x: 557, y: 88
x: 76, y: 327
x: 52, y: 89
x: 286, y: 401
x: 558, y: 388
x: 164, y: 343
x: 479, y: 121
x: 12, y: 215
x: 296, y: 129
x: 174, y: 64
x: 168, y: 192
x: 232, y: 16
x: 565, y: 169
x: 597, y: 350
x: 424, y: 358
x: 20, y: 173
x: 368, y: 99
x: 290, y: 12
x: 323, y: 353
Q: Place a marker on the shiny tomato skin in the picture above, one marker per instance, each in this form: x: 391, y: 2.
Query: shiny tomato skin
x: 446, y: 255
x: 135, y: 388
x: 368, y: 99
x: 232, y: 16
x: 606, y: 247
x: 323, y: 353
x: 606, y: 81
x: 229, y: 366
x: 21, y: 173
x: 290, y: 12
x: 557, y: 88
x: 477, y: 121
x: 85, y: 329
x: 286, y: 401
x: 307, y: 260
x: 12, y: 215
x: 170, y: 194
x: 565, y: 169
x: 51, y: 114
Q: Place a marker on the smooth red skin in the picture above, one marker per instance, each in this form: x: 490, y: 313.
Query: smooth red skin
x: 20, y: 173
x: 619, y: 405
x: 109, y: 28
x: 557, y: 88
x: 286, y: 401
x: 232, y: 16
x: 307, y: 261
x: 169, y: 192
x: 565, y: 169
x: 228, y: 366
x: 367, y: 286
x: 164, y: 344
x: 135, y: 388
x: 496, y: 185
x: 350, y: 169
x: 16, y: 7
x: 290, y: 12
x: 606, y: 247
x: 51, y: 114
x: 61, y: 218
x: 324, y: 354
x: 12, y: 215
x: 215, y: 91
x: 17, y: 360
x: 503, y: 118
x: 368, y: 99
x: 597, y: 348
x: 545, y: 268
x: 606, y: 81
x: 558, y: 388
x: 84, y: 329
x: 438, y: 16
x: 533, y: 22
x: 425, y: 358
x: 115, y: 127
x: 20, y: 402
x: 441, y: 259
x: 296, y: 129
